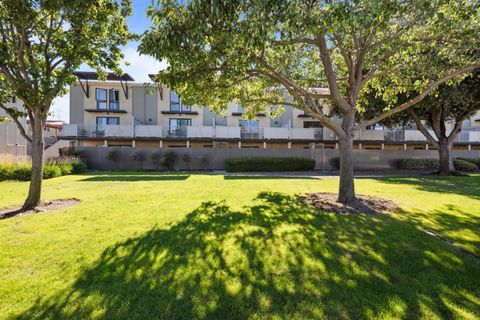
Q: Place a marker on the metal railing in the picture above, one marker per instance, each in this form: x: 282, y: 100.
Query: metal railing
x: 230, y: 132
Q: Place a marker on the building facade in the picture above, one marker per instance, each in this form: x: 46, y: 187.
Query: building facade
x: 11, y: 141
x: 120, y: 112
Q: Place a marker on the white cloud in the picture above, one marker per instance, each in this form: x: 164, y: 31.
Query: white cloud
x: 139, y: 67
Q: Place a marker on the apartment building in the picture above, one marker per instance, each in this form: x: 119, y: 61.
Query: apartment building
x: 121, y: 112
x: 11, y: 141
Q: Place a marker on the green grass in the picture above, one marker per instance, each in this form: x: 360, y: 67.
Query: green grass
x: 145, y: 246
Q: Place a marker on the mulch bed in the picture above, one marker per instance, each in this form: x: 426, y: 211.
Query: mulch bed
x: 45, y: 206
x: 327, y: 202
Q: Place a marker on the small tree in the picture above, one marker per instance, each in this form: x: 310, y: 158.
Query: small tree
x: 187, y: 159
x: 113, y: 155
x: 169, y: 159
x: 139, y: 157
x: 450, y: 104
x: 156, y: 158
x: 255, y: 51
x: 42, y: 43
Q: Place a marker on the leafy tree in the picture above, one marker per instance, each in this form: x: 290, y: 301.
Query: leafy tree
x: 42, y: 43
x: 256, y: 51
x: 450, y: 104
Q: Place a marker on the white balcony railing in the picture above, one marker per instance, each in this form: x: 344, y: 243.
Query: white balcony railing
x: 200, y: 132
x: 369, y: 135
x: 148, y: 131
x: 276, y: 133
x: 226, y: 132
x: 119, y: 131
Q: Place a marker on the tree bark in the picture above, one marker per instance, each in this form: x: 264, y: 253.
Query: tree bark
x: 346, y: 192
x: 35, y: 189
x: 445, y: 155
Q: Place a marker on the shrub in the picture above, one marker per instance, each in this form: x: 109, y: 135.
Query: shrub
x: 187, y: 159
x: 269, y: 164
x: 51, y: 171
x: 54, y: 167
x: 169, y: 159
x: 205, y: 162
x: 79, y: 167
x: 462, y: 165
x: 138, y: 156
x: 156, y: 159
x: 474, y: 161
x: 6, y: 172
x: 113, y: 155
x: 419, y: 164
x: 335, y: 163
x: 22, y: 173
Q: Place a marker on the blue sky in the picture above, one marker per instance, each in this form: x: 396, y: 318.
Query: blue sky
x: 139, y: 66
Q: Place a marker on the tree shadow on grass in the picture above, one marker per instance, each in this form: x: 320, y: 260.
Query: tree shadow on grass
x: 273, y: 258
x: 137, y: 177
x: 465, y: 185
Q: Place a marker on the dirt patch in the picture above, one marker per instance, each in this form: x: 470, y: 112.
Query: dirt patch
x: 45, y: 206
x: 327, y: 202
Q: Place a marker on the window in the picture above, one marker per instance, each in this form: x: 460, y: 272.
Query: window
x: 312, y: 124
x: 102, y: 122
x: 114, y: 102
x: 249, y: 125
x: 176, y: 103
x: 240, y: 108
x: 101, y: 96
x: 178, y: 127
x: 375, y: 127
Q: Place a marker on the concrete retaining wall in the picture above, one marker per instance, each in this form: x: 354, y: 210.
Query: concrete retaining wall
x: 210, y: 159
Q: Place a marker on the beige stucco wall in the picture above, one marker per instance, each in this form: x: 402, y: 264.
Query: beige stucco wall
x: 164, y: 105
x: 91, y: 103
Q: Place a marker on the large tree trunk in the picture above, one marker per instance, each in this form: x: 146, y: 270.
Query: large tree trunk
x: 445, y: 155
x: 35, y: 189
x: 346, y: 192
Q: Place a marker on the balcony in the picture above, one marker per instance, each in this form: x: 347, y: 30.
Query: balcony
x: 226, y: 132
x: 369, y: 135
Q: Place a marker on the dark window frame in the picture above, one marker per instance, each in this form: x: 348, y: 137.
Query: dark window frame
x: 178, y: 103
x: 115, y: 101
x: 97, y: 90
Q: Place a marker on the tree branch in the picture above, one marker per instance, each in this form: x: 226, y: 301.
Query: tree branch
x: 332, y: 82
x: 418, y: 98
x: 17, y: 122
x: 422, y: 129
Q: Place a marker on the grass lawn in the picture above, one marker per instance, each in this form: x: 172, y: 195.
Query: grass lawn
x: 146, y: 246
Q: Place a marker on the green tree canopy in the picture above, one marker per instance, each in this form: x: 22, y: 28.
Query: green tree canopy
x: 42, y: 43
x: 254, y: 51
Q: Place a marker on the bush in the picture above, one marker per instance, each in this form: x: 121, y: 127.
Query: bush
x: 462, y: 165
x: 156, y: 159
x: 269, y: 164
x: 54, y: 167
x: 169, y: 159
x: 21, y: 173
x: 138, y: 156
x: 474, y: 161
x: 419, y: 164
x: 113, y: 155
x: 51, y: 171
x: 335, y: 163
x: 79, y: 167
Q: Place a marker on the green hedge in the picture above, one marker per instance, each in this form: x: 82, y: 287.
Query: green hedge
x: 419, y: 164
x: 462, y: 165
x: 431, y: 164
x: 269, y: 164
x: 53, y: 168
x: 474, y: 161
